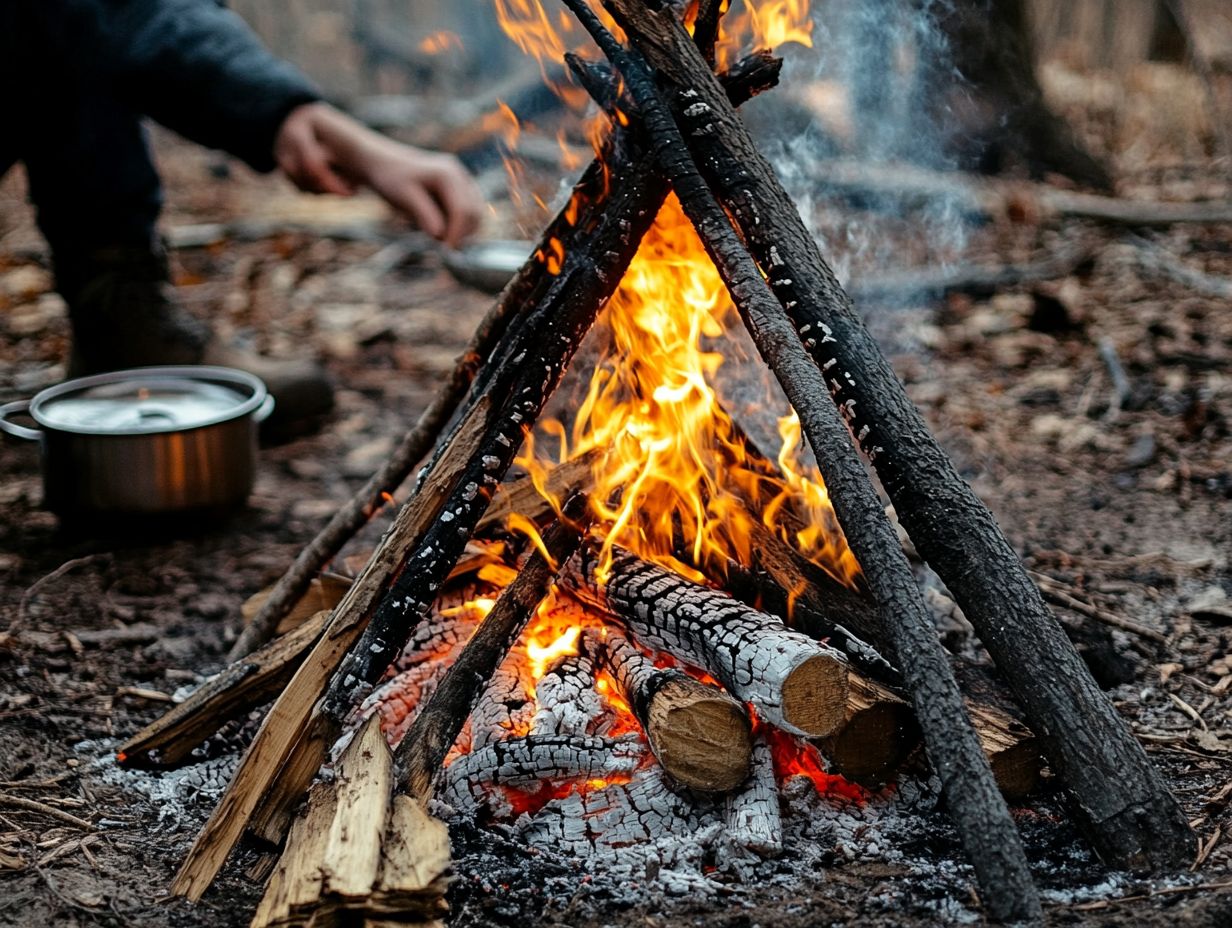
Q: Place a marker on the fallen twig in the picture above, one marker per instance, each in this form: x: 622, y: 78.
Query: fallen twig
x: 1139, y: 897
x: 33, y: 805
x: 28, y: 596
x: 1054, y: 592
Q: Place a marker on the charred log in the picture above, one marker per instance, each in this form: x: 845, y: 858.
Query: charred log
x: 791, y: 680
x: 752, y: 814
x: 700, y: 736
x: 988, y: 832
x: 439, y: 722
x: 1123, y: 805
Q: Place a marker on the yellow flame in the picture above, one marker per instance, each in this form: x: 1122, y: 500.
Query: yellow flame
x: 541, y: 655
x: 673, y: 482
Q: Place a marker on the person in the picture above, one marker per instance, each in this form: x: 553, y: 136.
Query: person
x: 79, y: 76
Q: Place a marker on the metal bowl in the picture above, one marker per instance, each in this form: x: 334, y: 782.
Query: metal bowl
x: 489, y: 265
x: 152, y: 440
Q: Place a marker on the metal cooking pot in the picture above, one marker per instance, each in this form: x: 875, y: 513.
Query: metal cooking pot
x: 148, y: 441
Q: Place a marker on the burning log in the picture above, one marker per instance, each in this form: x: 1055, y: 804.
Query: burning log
x: 504, y: 708
x: 984, y: 822
x: 567, y: 700
x: 791, y: 680
x: 1123, y: 804
x: 877, y: 735
x: 614, y: 815
x: 752, y: 814
x: 531, y: 761
x: 700, y: 735
x: 439, y: 722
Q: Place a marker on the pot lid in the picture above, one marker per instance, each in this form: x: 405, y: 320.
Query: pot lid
x: 149, y: 400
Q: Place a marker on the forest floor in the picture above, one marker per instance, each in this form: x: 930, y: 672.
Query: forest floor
x: 1126, y: 505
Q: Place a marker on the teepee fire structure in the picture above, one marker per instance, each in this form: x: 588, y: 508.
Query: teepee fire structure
x: 641, y: 630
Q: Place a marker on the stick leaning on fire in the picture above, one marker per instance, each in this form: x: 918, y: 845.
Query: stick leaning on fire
x: 379, y: 611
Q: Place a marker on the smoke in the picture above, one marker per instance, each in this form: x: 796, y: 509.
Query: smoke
x: 867, y: 94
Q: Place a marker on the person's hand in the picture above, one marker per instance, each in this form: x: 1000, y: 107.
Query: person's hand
x: 323, y: 150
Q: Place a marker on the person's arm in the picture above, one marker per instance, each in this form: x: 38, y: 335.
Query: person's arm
x: 198, y: 69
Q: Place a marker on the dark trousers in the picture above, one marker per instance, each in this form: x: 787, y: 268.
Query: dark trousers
x: 92, y: 178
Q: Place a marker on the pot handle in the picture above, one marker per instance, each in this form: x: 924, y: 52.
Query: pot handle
x: 263, y: 411
x: 20, y: 431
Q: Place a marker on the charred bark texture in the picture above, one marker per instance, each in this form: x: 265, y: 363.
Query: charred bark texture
x: 439, y: 722
x: 521, y: 379
x: 791, y: 680
x: 984, y: 822
x: 1121, y: 801
x: 699, y: 734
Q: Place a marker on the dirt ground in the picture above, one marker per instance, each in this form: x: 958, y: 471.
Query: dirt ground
x: 1126, y: 511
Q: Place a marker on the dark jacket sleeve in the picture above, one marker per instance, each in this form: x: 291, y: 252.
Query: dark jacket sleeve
x: 198, y: 69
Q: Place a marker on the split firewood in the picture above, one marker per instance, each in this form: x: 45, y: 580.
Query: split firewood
x: 529, y: 498
x: 1121, y: 800
x: 752, y: 814
x: 440, y: 720
x: 238, y: 689
x: 877, y: 736
x: 984, y: 823
x: 290, y: 745
x: 792, y: 681
x: 351, y: 863
x: 701, y: 736
x: 295, y: 884
x: 354, y: 853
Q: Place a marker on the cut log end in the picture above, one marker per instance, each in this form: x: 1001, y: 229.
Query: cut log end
x: 701, y: 737
x: 815, y: 696
x: 879, y: 733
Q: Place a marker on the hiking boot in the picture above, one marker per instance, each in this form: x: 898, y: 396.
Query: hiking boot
x: 123, y: 315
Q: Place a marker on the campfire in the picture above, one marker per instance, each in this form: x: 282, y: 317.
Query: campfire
x: 622, y: 619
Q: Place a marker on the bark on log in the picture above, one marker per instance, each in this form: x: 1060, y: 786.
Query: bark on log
x: 1121, y: 801
x: 531, y: 761
x: 791, y: 680
x: 987, y: 831
x: 701, y: 736
x: 504, y: 709
x: 439, y: 722
x: 567, y: 701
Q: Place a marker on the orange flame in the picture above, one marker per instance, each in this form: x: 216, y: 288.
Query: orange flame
x: 794, y: 757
